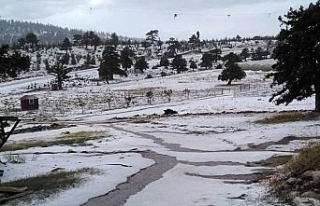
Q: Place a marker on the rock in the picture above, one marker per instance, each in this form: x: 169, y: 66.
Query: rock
x: 169, y: 112
x: 292, y: 181
x: 308, y: 175
x: 65, y: 133
x: 311, y: 175
x: 309, y: 194
x: 316, y: 176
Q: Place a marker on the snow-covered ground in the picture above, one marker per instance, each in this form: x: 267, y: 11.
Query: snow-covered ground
x: 207, y: 145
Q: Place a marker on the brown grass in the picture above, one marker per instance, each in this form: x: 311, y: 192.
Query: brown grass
x: 289, y: 117
x: 74, y: 139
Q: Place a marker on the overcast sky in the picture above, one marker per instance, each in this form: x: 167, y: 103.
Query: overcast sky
x: 134, y: 18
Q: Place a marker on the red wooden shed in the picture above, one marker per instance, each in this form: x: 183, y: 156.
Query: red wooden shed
x: 29, y: 102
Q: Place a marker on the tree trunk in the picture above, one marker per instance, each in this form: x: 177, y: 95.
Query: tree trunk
x: 229, y: 82
x: 59, y: 79
x: 317, y: 102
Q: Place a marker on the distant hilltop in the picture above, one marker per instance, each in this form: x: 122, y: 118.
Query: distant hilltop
x: 12, y: 30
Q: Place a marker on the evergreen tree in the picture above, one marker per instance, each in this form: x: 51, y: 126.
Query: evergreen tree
x: 207, y: 59
x: 141, y: 64
x: 12, y: 64
x: 194, y: 41
x: 93, y: 60
x: 174, y: 46
x: 298, y: 56
x: 77, y: 39
x: 259, y: 54
x: 126, y: 56
x: 232, y: 72
x: 231, y: 58
x: 114, y: 41
x: 60, y: 71
x: 164, y: 61
x: 179, y: 64
x: 217, y: 54
x: 193, y: 64
x: 66, y: 45
x: 32, y: 40
x: 110, y: 64
x: 73, y: 59
x: 95, y: 41
x: 245, y: 54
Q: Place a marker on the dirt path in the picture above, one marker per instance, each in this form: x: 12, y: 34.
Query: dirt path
x: 136, y: 182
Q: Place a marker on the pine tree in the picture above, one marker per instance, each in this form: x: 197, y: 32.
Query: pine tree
x: 141, y: 64
x: 232, y: 72
x: 66, y: 45
x: 193, y: 64
x: 110, y: 64
x: 207, y: 59
x: 164, y: 61
x: 179, y: 64
x: 126, y: 56
x: 231, y: 58
x: 60, y: 71
x: 298, y: 56
x: 245, y: 54
x: 32, y: 40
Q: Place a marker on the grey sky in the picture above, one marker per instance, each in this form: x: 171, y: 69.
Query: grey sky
x: 213, y: 18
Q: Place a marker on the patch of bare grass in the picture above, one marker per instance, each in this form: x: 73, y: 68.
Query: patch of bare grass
x: 46, y: 185
x: 290, y: 117
x: 75, y: 139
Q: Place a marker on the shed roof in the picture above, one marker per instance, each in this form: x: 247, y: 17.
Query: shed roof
x: 28, y: 97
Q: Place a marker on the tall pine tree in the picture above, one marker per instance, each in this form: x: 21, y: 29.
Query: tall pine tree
x: 110, y: 64
x: 298, y: 56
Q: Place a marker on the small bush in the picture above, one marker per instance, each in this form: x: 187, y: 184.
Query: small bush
x: 290, y: 181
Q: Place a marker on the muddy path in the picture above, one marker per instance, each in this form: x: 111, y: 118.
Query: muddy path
x: 136, y: 182
x: 163, y: 163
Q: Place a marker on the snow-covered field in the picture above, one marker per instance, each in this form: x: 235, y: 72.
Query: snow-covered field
x: 198, y: 157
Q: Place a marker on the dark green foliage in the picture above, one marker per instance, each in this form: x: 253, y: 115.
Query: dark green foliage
x: 90, y: 38
x: 73, y: 59
x: 298, y: 56
x: 193, y: 64
x: 12, y: 64
x: 219, y: 66
x: 152, y: 37
x: 65, y: 59
x: 32, y: 40
x: 60, y: 71
x: 126, y: 58
x: 114, y: 41
x: 217, y: 54
x: 179, y: 64
x: 232, y: 72
x: 77, y: 39
x: 164, y: 61
x: 207, y: 59
x: 141, y: 64
x: 93, y: 60
x: 174, y: 45
x: 88, y: 59
x: 259, y: 54
x: 194, y: 41
x: 95, y: 41
x: 110, y: 64
x: 245, y: 54
x: 231, y: 58
x: 66, y: 45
